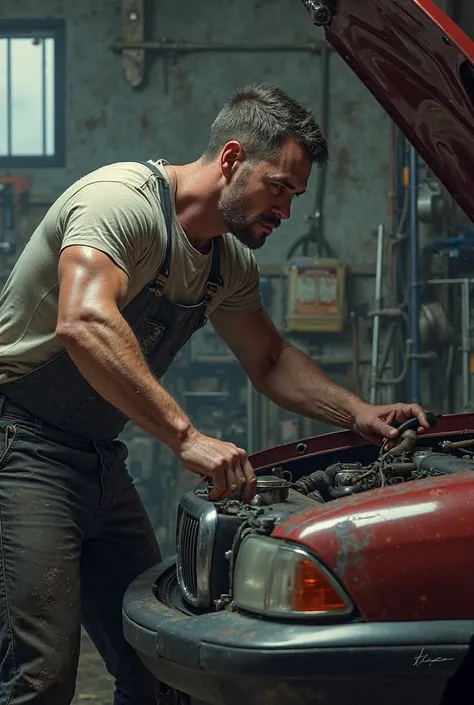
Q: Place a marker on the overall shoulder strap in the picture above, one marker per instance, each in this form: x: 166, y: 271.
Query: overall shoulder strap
x: 215, y: 280
x: 160, y: 279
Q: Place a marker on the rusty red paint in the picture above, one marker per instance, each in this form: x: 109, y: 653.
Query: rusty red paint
x: 401, y: 552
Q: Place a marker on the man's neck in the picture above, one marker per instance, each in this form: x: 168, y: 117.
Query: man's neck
x: 196, y: 202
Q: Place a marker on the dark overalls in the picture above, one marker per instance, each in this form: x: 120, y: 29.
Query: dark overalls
x: 74, y: 532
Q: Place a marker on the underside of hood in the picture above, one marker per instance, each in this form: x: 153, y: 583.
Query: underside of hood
x: 419, y: 65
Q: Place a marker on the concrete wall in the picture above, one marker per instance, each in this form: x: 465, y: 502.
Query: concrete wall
x: 107, y: 120
x: 466, y: 12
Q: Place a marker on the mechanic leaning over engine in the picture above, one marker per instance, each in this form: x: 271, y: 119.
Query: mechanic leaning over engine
x: 126, y: 265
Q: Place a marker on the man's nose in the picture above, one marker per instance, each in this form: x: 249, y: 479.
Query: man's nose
x: 282, y: 211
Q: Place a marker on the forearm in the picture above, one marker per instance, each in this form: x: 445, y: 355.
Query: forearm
x: 296, y: 383
x: 107, y: 354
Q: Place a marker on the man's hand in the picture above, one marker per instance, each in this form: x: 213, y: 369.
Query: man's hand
x: 224, y: 463
x: 374, y: 423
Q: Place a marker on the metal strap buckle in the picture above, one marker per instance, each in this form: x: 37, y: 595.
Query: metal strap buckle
x: 210, y: 291
x: 211, y: 288
x: 158, y: 284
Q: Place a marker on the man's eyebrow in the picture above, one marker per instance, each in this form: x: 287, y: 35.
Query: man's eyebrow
x: 286, y: 182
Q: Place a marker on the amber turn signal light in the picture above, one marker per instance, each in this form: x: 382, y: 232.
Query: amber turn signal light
x: 313, y: 592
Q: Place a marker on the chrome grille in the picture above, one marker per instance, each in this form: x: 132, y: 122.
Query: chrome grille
x: 188, y: 550
x: 197, y: 518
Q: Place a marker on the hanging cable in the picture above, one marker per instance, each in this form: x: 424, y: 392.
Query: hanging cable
x: 316, y: 231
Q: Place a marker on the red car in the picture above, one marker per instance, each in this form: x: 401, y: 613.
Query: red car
x: 346, y: 581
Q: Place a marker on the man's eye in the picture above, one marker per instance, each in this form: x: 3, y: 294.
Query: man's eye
x: 279, y: 187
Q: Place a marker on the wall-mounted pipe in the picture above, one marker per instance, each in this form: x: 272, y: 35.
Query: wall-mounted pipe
x: 378, y: 306
x: 466, y: 344
x: 414, y: 241
x: 169, y: 47
x: 322, y: 245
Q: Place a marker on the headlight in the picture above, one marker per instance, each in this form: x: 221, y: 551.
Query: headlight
x: 275, y: 578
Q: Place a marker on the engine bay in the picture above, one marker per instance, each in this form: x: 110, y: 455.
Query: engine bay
x: 209, y: 533
x: 407, y: 461
x: 403, y: 463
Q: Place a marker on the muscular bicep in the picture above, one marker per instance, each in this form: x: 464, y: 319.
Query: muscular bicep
x: 91, y: 286
x: 252, y: 337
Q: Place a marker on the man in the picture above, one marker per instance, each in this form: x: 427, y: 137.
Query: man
x: 124, y: 267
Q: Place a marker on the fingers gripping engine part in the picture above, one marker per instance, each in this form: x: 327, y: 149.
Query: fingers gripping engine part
x: 321, y: 12
x: 413, y: 423
x: 408, y: 435
x: 406, y: 445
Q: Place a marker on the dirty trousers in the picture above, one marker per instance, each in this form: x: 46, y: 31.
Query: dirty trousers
x: 74, y: 534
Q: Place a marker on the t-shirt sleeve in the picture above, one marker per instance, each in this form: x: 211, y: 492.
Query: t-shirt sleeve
x: 244, y: 295
x: 111, y: 217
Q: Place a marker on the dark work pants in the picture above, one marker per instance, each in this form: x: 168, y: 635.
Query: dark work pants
x: 74, y: 534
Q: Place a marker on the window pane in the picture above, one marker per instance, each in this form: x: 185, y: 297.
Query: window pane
x: 27, y: 92
x: 3, y: 98
x: 49, y: 95
x: 28, y: 85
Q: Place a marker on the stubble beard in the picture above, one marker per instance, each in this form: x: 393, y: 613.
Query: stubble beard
x: 235, y: 213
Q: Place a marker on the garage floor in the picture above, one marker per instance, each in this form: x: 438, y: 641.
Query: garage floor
x: 94, y: 685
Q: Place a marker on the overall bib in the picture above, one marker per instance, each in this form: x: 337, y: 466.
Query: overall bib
x: 74, y: 532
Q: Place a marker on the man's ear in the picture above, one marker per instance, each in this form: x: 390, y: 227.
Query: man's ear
x: 231, y: 157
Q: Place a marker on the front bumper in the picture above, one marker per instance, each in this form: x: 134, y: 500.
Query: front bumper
x: 227, y: 658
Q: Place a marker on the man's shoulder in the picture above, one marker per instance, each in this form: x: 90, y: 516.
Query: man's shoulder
x: 112, y: 189
x: 128, y: 173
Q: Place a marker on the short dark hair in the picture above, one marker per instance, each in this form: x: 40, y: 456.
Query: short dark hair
x: 262, y: 117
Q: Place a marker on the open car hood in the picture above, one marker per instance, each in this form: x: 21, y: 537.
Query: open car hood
x: 419, y: 66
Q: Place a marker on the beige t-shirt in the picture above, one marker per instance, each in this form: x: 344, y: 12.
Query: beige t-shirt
x: 117, y: 210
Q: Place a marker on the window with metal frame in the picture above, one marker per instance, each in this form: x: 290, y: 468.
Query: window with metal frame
x: 32, y: 93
